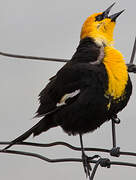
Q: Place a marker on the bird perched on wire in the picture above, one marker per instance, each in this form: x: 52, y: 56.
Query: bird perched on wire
x: 88, y: 90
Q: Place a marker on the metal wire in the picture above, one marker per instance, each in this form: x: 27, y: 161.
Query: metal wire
x: 103, y: 162
x: 57, y: 59
x: 33, y: 57
x: 63, y: 159
x: 113, y: 134
x: 133, y: 52
x: 59, y: 143
x: 131, y: 67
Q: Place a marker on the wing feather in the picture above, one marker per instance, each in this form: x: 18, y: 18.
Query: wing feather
x: 66, y: 86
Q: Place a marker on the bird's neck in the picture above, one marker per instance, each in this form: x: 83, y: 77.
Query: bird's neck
x: 117, y: 72
x: 87, y: 51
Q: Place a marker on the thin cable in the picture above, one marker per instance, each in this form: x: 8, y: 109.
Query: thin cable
x: 133, y: 52
x: 57, y: 59
x: 33, y: 57
x: 63, y: 159
x: 95, y: 169
x: 113, y: 134
x: 68, y: 146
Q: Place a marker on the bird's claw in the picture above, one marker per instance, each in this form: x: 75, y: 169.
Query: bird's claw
x: 131, y: 68
x: 86, y: 163
x: 116, y: 119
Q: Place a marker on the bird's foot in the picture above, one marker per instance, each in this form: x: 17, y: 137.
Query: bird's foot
x: 115, y: 151
x: 86, y: 163
x: 116, y: 119
x: 131, y: 68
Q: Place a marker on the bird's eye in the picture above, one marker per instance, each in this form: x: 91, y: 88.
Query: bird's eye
x: 99, y: 18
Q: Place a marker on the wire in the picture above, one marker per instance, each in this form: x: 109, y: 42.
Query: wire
x: 63, y: 159
x: 133, y: 52
x: 57, y: 59
x: 33, y: 57
x: 131, y: 66
x: 68, y: 146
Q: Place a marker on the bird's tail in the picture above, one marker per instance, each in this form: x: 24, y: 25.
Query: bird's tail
x: 43, y: 125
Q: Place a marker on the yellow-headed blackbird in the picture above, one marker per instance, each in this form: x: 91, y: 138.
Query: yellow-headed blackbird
x: 88, y: 90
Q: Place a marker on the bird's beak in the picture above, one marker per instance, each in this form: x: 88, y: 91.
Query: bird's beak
x: 106, y: 12
x: 114, y: 16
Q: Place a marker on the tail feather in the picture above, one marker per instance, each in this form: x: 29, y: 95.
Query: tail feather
x: 22, y: 137
x: 43, y: 125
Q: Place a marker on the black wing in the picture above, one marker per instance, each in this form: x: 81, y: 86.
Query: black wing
x: 69, y: 79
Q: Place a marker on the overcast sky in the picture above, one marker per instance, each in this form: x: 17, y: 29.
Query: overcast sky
x: 51, y: 28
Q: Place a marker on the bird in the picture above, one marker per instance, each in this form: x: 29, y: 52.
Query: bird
x: 90, y: 89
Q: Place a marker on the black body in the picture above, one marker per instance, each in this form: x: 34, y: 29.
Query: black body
x: 85, y: 111
x: 88, y: 110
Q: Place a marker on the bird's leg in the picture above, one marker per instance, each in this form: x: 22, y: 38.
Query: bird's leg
x: 86, y: 164
x: 115, y: 150
x: 85, y: 159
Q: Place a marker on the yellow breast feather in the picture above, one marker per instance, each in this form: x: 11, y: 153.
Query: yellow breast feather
x: 117, y: 72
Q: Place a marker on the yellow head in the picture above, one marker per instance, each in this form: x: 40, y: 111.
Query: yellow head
x: 100, y: 27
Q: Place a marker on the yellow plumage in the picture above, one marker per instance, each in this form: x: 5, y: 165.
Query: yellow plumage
x: 117, y: 72
x: 101, y: 32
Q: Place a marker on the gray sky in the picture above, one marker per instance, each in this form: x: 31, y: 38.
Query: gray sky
x: 51, y: 28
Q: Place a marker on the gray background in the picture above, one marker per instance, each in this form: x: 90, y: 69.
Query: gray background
x: 51, y: 28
